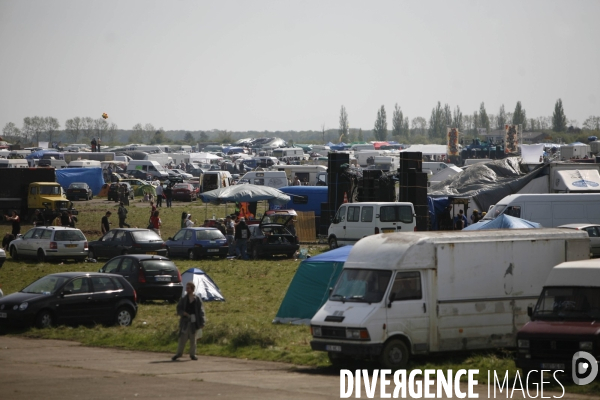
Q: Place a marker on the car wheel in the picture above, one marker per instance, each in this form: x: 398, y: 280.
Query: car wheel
x: 14, y: 253
x: 394, y: 355
x: 44, y: 319
x: 124, y: 316
x: 333, y: 244
x: 41, y: 257
x: 191, y: 255
x: 92, y: 254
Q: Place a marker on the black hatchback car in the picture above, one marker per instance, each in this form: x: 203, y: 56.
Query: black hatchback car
x: 152, y: 277
x: 273, y: 235
x: 121, y: 241
x: 71, y: 298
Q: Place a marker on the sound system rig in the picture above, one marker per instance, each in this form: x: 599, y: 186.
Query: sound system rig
x: 338, y: 185
x: 413, y: 186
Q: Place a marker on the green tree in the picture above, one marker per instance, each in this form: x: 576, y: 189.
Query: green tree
x: 51, y: 125
x: 137, y: 136
x: 100, y: 128
x: 27, y: 130
x: 360, y: 136
x: 501, y: 118
x: 10, y: 130
x: 380, y: 128
x: 559, y: 120
x: 484, y: 121
x: 397, y: 122
x: 457, y: 119
x: 148, y: 132
x: 519, y: 116
x: 437, y: 128
x: 188, y: 138
x: 111, y: 133
x: 344, y: 126
x: 74, y: 128
x: 224, y: 137
x: 203, y: 136
x: 159, y: 137
x: 592, y: 123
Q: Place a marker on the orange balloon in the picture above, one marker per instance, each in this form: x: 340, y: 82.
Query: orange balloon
x: 105, y: 115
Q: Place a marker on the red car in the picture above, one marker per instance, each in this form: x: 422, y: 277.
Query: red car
x: 184, y: 192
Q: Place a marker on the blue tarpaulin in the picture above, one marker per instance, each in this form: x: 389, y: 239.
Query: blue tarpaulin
x: 92, y: 176
x: 503, y: 221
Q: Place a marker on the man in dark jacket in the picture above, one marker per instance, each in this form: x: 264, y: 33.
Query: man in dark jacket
x: 242, y: 234
x: 191, y: 318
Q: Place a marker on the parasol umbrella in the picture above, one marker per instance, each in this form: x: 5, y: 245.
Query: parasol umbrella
x: 244, y: 193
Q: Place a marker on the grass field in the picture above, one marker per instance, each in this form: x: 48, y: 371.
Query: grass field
x: 240, y: 327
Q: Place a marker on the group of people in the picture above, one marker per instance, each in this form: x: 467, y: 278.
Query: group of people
x: 96, y: 143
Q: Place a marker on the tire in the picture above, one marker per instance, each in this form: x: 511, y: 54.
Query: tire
x: 41, y: 257
x: 124, y: 316
x: 191, y: 255
x: 14, y: 253
x: 44, y: 319
x: 394, y: 355
x: 333, y: 244
x: 92, y: 254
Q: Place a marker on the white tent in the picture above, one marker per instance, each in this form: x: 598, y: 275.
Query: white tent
x: 206, y: 288
x: 203, y: 157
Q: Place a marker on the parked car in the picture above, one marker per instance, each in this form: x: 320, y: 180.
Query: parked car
x: 71, y: 298
x: 2, y: 257
x: 50, y: 242
x: 273, y: 235
x: 152, y: 277
x: 181, y: 173
x: 195, y: 243
x: 139, y: 174
x: 184, y: 192
x: 113, y: 191
x: 593, y: 231
x: 79, y: 190
x: 134, y: 182
x: 121, y: 241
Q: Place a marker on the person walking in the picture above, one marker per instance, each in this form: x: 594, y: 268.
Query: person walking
x: 168, y: 191
x: 105, y: 223
x: 191, y: 319
x: 93, y: 143
x: 229, y: 232
x: 16, y: 223
x: 242, y: 234
x: 122, y: 213
x: 156, y: 222
x: 159, y: 195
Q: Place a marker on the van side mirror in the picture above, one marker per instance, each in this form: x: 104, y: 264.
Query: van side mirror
x: 391, y: 299
x: 530, y: 311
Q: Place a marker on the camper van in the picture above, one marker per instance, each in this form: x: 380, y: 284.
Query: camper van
x: 215, y: 180
x: 85, y: 164
x: 550, y: 210
x: 13, y: 163
x: 354, y: 221
x: 441, y: 291
x: 274, y: 179
x: 288, y: 154
x: 306, y: 173
x: 320, y: 149
x: 150, y: 167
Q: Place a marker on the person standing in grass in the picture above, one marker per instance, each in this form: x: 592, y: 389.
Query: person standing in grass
x: 156, y: 222
x: 122, y: 213
x: 191, y: 320
x: 105, y: 223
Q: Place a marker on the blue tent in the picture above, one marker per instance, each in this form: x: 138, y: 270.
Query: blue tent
x: 303, y: 198
x: 92, y: 176
x: 503, y: 222
x: 206, y: 288
x: 309, y: 288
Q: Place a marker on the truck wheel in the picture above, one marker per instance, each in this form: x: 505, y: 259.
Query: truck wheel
x: 333, y: 244
x: 14, y: 253
x: 41, y: 257
x: 394, y: 355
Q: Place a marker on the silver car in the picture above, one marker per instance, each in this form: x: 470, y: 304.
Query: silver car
x: 593, y: 231
x: 50, y: 242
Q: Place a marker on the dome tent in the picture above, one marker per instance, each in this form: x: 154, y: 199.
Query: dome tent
x: 206, y: 288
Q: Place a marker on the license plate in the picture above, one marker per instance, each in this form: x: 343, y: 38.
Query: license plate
x: 70, y: 245
x: 388, y: 230
x: 150, y: 252
x: 3, y: 315
x: 213, y: 250
x: 330, y: 347
x: 163, y: 278
x: 553, y: 366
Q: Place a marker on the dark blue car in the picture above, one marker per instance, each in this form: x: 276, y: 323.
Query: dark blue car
x: 195, y: 243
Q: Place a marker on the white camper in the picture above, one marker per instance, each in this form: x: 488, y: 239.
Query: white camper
x: 401, y: 294
x: 85, y: 164
x: 274, y: 179
x: 13, y: 163
x: 149, y: 167
x: 306, y: 173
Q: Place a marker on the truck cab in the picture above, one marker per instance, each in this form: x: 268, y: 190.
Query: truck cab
x: 48, y: 196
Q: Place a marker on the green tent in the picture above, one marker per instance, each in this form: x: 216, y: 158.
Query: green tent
x: 143, y: 189
x: 309, y: 288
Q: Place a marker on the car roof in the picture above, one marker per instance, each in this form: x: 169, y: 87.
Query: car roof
x: 58, y: 228
x: 77, y: 274
x: 202, y: 228
x: 575, y: 226
x: 143, y: 257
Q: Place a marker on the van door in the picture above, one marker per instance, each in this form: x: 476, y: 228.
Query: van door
x: 354, y: 230
x: 395, y: 218
x: 337, y: 228
x: 410, y: 311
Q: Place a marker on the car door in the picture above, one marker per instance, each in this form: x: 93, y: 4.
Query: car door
x: 75, y: 304
x: 176, y: 245
x: 119, y: 243
x: 24, y: 245
x: 101, y: 246
x: 105, y: 297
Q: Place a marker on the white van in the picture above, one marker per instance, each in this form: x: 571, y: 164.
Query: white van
x: 362, y: 147
x: 274, y: 179
x: 85, y: 164
x: 550, y: 210
x: 320, y: 149
x: 362, y: 157
x: 306, y: 173
x: 149, y: 167
x: 434, y: 167
x: 402, y: 294
x: 212, y: 180
x: 354, y: 221
x: 288, y: 154
x: 13, y: 163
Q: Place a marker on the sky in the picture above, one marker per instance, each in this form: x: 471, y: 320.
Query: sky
x: 255, y: 65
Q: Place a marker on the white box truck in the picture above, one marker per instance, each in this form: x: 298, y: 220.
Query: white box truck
x: 409, y: 293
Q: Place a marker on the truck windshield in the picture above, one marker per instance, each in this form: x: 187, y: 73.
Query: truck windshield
x: 361, y: 285
x: 568, y: 303
x: 494, y: 212
x: 49, y: 189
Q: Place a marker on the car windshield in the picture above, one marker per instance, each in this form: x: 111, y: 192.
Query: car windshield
x: 68, y: 236
x: 494, y: 212
x: 146, y: 236
x: 568, y: 303
x: 77, y: 186
x: 276, y: 219
x: 209, y: 234
x: 46, y: 285
x: 361, y: 285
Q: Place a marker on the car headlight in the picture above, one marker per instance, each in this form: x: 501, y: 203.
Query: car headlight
x: 357, y: 334
x: 523, y: 343
x: 316, y: 330
x: 586, y: 345
x: 23, y: 306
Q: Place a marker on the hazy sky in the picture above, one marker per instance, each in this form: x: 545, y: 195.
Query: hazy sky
x: 291, y: 65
